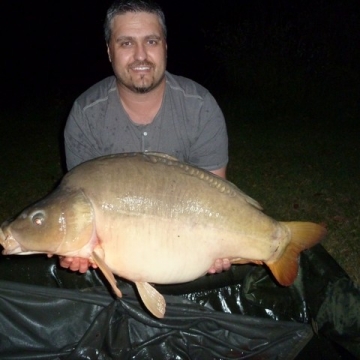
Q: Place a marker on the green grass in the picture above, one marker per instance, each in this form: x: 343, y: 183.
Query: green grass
x: 298, y: 169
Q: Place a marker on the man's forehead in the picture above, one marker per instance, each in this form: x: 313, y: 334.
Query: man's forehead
x: 132, y: 23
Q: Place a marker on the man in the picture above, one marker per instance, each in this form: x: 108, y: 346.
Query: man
x: 143, y: 107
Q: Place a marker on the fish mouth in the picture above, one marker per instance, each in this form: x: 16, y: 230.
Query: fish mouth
x: 10, y: 245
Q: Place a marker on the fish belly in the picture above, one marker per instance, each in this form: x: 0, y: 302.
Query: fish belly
x: 168, y: 252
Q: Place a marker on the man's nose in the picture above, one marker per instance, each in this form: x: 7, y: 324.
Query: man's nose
x: 140, y: 52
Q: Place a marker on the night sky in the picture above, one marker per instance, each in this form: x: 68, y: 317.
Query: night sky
x: 61, y: 44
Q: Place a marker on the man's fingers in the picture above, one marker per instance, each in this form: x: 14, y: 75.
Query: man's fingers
x: 219, y: 266
x: 76, y: 264
x: 226, y: 264
x: 83, y: 265
x: 65, y: 261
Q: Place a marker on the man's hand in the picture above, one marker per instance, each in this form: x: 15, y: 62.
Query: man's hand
x: 219, y: 266
x: 76, y: 264
x: 82, y: 265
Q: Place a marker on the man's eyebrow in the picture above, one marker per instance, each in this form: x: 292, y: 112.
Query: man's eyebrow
x: 153, y: 36
x: 131, y: 38
x: 124, y: 38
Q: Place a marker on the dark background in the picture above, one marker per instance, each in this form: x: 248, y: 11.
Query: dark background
x: 58, y: 46
x: 286, y: 74
x: 60, y: 43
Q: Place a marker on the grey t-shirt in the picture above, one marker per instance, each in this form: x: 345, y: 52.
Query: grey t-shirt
x: 189, y: 125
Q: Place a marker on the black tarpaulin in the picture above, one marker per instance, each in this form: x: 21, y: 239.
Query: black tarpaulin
x: 39, y: 322
x: 47, y: 312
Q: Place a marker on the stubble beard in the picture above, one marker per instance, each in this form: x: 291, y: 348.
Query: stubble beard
x: 127, y: 80
x: 143, y: 89
x: 130, y: 84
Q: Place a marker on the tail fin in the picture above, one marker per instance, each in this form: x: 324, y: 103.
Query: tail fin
x: 304, y: 235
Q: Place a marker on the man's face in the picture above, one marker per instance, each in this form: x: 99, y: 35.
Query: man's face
x: 137, y: 51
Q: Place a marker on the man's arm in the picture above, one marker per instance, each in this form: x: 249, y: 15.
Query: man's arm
x: 80, y: 145
x: 220, y: 172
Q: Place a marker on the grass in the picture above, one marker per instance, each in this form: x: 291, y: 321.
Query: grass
x: 302, y: 169
x: 298, y: 169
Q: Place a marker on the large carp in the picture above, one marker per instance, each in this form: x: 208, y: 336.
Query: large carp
x: 150, y: 218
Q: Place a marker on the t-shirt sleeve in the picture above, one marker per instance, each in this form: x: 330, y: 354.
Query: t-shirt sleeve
x: 79, y: 143
x: 210, y: 147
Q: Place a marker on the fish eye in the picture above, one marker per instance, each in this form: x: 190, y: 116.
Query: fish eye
x: 38, y: 218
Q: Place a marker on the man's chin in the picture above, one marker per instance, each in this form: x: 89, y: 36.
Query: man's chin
x: 142, y: 89
x: 142, y: 86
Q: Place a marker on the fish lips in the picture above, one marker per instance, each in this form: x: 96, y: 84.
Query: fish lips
x: 7, y: 240
x: 10, y: 245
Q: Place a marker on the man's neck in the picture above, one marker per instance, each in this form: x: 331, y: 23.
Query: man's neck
x: 142, y: 108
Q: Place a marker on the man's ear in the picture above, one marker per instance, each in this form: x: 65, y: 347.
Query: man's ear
x: 108, y: 52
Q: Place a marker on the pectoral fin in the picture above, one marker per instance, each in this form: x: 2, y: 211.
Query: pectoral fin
x: 152, y: 299
x: 107, y: 272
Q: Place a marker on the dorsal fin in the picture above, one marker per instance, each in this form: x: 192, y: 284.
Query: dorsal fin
x: 223, y: 185
x: 161, y: 155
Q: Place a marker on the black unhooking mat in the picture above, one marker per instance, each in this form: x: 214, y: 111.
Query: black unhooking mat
x: 47, y: 312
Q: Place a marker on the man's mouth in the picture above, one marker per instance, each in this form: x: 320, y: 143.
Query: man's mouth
x: 141, y: 67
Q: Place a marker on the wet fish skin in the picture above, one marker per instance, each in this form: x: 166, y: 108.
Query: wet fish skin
x: 152, y: 219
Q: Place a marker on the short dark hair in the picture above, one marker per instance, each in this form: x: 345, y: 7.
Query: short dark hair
x: 119, y: 7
